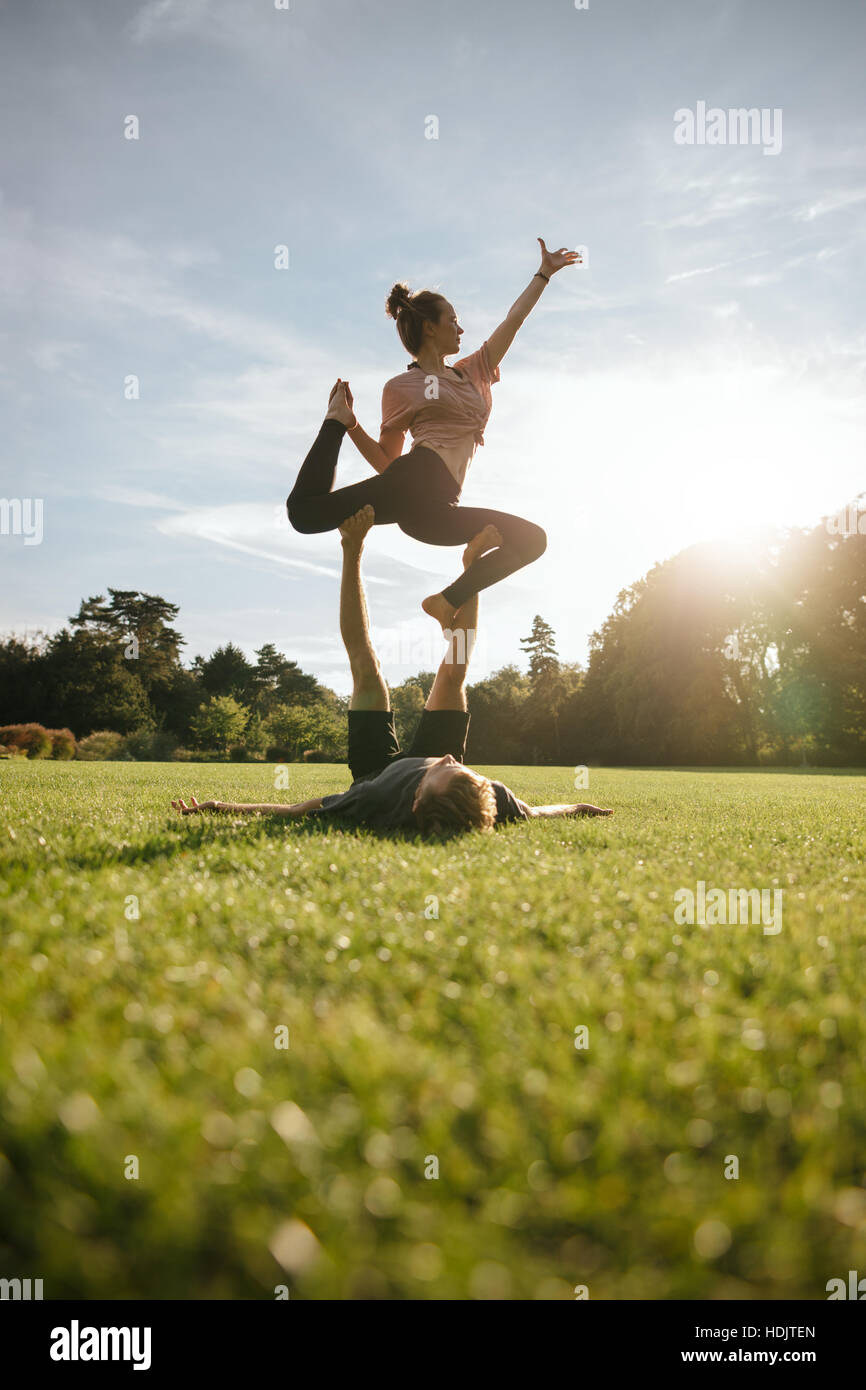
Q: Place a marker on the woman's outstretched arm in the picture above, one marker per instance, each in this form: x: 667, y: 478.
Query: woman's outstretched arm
x: 501, y: 338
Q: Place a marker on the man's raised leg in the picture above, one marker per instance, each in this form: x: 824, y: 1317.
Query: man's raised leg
x: 369, y: 690
x: 449, y: 688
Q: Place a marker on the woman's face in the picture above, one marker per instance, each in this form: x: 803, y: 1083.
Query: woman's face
x: 448, y: 331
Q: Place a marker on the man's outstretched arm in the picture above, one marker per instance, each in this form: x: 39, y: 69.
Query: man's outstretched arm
x: 279, y: 808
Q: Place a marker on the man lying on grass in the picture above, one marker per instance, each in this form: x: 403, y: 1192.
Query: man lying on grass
x: 427, y: 788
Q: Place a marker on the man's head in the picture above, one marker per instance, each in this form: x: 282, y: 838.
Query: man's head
x: 452, y: 798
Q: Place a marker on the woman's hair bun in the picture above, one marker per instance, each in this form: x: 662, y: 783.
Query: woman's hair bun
x: 397, y: 300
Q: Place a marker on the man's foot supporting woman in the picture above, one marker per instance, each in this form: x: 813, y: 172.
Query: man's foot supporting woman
x: 354, y: 529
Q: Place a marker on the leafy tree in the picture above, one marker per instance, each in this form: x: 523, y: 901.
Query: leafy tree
x: 407, y: 702
x: 497, y: 731
x: 139, y: 625
x: 22, y: 678
x: 176, y: 702
x: 219, y: 722
x: 295, y: 728
x: 296, y: 687
x: 88, y: 685
x: 276, y: 680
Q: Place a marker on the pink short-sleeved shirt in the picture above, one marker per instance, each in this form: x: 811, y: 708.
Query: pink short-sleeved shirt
x: 447, y: 413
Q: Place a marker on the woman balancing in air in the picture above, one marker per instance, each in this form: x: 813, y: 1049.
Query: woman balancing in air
x: 445, y: 409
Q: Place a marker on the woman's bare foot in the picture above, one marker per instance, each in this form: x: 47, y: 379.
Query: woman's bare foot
x: 488, y: 539
x: 355, y: 528
x: 340, y: 404
x: 438, y: 607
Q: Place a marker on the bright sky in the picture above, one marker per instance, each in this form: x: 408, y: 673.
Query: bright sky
x: 703, y: 375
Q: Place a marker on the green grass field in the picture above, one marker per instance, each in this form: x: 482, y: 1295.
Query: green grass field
x: 414, y: 1038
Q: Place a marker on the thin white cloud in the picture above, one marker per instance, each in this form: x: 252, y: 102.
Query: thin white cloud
x: 52, y: 354
x: 702, y: 270
x: 835, y: 202
x: 137, y: 497
x: 166, y: 18
x: 718, y: 208
x: 114, y: 275
x: 248, y: 527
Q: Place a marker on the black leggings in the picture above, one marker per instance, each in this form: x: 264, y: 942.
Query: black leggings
x: 419, y: 494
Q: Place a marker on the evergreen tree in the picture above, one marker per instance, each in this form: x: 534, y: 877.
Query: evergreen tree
x: 540, y: 646
x: 138, y: 625
x: 226, y: 672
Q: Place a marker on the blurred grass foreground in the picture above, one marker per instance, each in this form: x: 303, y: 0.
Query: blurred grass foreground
x: 247, y: 1056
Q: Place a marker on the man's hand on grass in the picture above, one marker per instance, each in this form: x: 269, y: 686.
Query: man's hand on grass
x: 253, y: 808
x: 184, y: 810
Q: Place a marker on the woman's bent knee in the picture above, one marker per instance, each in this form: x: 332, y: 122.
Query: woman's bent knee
x: 536, y: 543
x: 299, y: 516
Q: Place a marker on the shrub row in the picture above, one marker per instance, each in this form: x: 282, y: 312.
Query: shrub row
x: 35, y: 741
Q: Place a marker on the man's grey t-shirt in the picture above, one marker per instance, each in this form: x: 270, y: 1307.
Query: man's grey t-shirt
x: 384, y: 802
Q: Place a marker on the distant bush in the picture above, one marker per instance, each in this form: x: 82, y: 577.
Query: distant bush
x: 63, y: 744
x: 239, y: 754
x: 33, y: 739
x: 315, y: 755
x: 103, y: 746
x: 293, y: 729
x: 198, y: 755
x: 151, y: 746
x: 9, y: 750
x: 254, y: 739
x: 278, y: 754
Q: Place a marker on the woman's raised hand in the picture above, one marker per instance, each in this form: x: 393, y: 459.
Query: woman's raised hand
x: 551, y: 261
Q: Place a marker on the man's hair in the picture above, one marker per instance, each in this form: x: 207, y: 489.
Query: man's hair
x: 467, y: 804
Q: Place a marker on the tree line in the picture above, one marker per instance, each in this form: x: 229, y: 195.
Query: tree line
x: 719, y: 656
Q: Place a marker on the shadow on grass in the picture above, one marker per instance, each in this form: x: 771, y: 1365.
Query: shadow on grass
x: 202, y: 833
